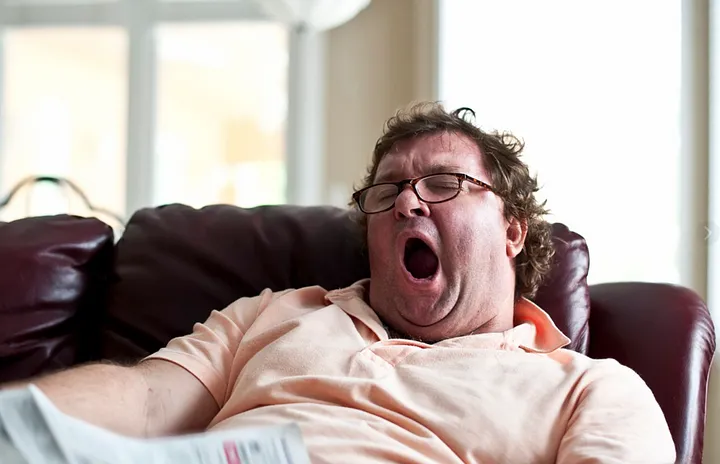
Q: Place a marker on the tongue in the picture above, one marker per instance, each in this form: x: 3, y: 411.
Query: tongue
x: 421, y: 262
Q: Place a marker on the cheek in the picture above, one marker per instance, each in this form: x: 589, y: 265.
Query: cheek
x: 472, y: 232
x: 377, y: 234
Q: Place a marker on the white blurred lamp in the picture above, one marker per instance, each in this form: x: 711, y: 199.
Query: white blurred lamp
x: 317, y: 15
x: 305, y: 148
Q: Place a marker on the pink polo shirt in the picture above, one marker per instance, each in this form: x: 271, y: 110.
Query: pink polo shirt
x: 324, y: 361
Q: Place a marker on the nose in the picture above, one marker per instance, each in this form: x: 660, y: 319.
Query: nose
x: 407, y: 205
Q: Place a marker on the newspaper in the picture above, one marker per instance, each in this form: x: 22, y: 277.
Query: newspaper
x: 33, y: 430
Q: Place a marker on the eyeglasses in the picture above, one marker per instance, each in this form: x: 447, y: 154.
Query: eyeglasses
x: 433, y: 188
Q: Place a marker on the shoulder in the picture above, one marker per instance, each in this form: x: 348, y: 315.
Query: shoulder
x: 608, y: 373
x: 616, y: 414
x: 602, y: 370
x: 606, y: 382
x: 608, y: 386
x: 590, y: 366
x: 305, y: 295
x: 276, y: 306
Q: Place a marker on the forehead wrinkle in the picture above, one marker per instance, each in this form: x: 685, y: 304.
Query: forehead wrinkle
x: 433, y: 168
x: 448, y: 145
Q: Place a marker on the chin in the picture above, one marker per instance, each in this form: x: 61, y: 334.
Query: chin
x: 422, y: 315
x: 429, y: 335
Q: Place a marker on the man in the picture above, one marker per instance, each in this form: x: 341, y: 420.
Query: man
x: 437, y: 358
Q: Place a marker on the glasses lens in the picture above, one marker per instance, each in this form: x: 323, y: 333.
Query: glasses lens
x: 378, y: 198
x: 440, y: 187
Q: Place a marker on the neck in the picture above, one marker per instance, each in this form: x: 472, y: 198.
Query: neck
x: 503, y: 318
x: 395, y: 334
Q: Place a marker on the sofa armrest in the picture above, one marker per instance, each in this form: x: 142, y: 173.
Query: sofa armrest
x: 665, y: 334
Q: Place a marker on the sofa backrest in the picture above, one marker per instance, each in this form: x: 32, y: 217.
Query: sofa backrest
x: 174, y: 264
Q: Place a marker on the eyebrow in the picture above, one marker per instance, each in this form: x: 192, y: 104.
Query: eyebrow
x: 434, y: 168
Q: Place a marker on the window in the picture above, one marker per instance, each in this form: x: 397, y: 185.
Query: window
x: 205, y: 84
x: 221, y: 127
x: 594, y: 90
x: 64, y: 116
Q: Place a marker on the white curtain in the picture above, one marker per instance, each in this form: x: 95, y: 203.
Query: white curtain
x: 318, y: 15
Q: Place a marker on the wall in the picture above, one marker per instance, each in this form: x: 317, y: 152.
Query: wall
x: 379, y: 61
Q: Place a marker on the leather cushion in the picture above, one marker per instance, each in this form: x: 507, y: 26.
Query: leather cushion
x: 565, y: 294
x: 52, y: 278
x: 664, y: 333
x: 175, y: 264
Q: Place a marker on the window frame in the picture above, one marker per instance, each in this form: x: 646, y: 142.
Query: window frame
x: 304, y: 153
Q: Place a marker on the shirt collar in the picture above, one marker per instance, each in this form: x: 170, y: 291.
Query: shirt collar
x: 533, y: 331
x: 352, y: 300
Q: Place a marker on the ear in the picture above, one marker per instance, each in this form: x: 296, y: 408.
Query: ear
x: 515, y: 240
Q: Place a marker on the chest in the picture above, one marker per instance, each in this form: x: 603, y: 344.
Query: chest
x: 481, y: 402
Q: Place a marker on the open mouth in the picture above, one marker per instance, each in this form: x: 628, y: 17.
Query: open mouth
x: 420, y: 261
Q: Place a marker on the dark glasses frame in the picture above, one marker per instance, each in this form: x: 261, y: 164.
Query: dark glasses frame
x: 413, y: 183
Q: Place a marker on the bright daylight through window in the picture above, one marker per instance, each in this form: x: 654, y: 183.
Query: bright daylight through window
x: 219, y: 91
x: 598, y: 105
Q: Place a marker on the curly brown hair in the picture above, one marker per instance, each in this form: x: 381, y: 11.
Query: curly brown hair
x: 509, y: 175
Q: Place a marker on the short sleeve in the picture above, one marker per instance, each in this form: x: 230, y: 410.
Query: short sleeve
x: 208, y: 352
x: 617, y: 420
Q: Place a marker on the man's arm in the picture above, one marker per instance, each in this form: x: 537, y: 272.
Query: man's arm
x: 617, y: 420
x: 153, y: 398
x: 179, y: 389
